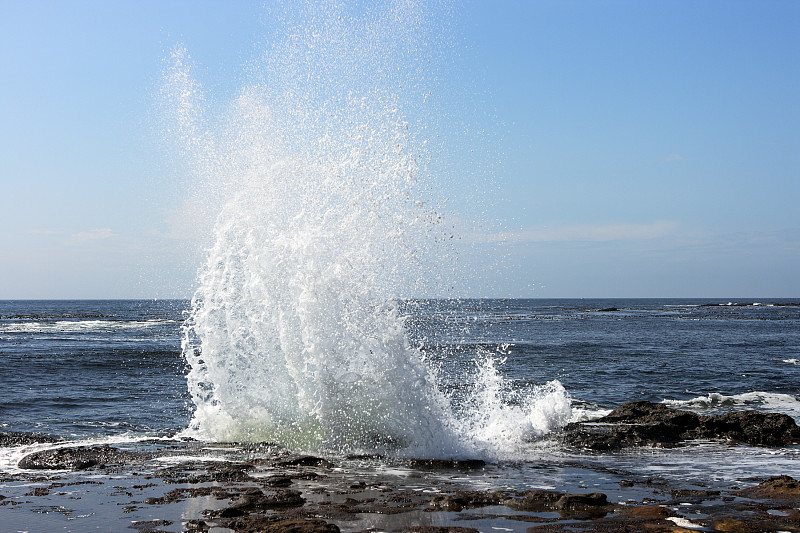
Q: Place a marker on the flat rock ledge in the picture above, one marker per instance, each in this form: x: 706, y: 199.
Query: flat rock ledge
x: 277, y: 491
x: 643, y: 423
x: 77, y: 458
x: 529, y: 500
x: 780, y: 488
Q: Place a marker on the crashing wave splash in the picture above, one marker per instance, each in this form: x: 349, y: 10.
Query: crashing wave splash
x: 317, y: 185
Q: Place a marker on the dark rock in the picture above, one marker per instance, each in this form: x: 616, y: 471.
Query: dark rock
x: 446, y: 464
x: 302, y: 526
x: 230, y: 472
x: 467, y: 499
x: 549, y: 500
x: 733, y: 525
x: 612, y: 437
x: 777, y: 488
x: 754, y: 427
x: 307, y: 460
x: 232, y: 512
x: 147, y: 526
x: 255, y: 500
x: 279, y: 500
x: 534, y: 500
x: 685, y: 495
x: 13, y: 438
x: 643, y: 412
x: 644, y: 423
x: 608, y: 310
x: 274, y: 524
x: 646, y: 512
x: 279, y: 481
x: 571, y: 501
x: 181, y: 494
x: 76, y: 458
x: 442, y: 529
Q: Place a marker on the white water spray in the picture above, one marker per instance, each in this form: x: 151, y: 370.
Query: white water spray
x: 318, y: 187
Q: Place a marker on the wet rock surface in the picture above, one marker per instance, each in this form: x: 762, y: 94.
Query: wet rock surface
x: 776, y: 488
x: 14, y: 438
x: 196, y: 487
x: 251, y: 496
x: 277, y: 524
x: 463, y: 499
x: 446, y: 464
x: 77, y: 458
x: 644, y: 423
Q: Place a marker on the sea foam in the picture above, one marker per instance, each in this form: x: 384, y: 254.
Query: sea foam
x: 760, y: 400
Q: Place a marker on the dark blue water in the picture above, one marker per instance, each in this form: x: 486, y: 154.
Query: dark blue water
x: 606, y: 352
x: 88, y: 368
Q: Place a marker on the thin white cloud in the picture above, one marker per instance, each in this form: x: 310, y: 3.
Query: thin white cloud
x: 91, y: 235
x: 585, y: 233
x: 674, y: 158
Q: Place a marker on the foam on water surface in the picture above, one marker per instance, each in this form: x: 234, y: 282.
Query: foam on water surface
x: 767, y: 401
x: 78, y: 326
x: 10, y: 456
x: 324, y: 217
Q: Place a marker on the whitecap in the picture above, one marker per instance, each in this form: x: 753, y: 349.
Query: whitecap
x: 760, y: 400
x: 79, y: 326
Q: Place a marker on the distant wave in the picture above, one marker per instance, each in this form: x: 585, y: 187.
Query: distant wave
x: 764, y: 401
x: 76, y: 326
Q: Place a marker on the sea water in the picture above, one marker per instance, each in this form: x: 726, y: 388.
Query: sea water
x: 100, y: 370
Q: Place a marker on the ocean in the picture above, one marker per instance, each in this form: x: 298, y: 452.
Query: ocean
x: 91, y: 370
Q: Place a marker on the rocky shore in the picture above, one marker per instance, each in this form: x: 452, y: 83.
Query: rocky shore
x: 654, y: 424
x: 182, y: 485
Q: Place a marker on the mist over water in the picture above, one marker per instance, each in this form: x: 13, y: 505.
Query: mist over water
x: 315, y: 187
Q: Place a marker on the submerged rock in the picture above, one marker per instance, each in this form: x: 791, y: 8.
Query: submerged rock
x: 467, y: 499
x: 254, y: 500
x: 446, y: 464
x: 643, y: 423
x: 77, y: 458
x: 278, y: 481
x: 442, y: 529
x: 274, y: 524
x: 573, y: 501
x: 538, y: 501
x: 14, y: 438
x: 307, y: 460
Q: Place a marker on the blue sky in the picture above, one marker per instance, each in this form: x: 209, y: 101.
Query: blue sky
x: 627, y: 149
